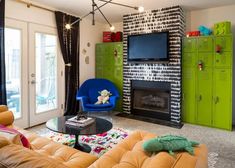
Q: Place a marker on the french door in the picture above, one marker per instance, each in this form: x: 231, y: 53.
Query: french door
x: 34, y: 76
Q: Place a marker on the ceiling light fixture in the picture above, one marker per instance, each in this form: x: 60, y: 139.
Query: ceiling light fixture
x: 95, y: 7
x: 141, y: 9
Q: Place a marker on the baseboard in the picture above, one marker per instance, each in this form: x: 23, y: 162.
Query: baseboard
x: 151, y: 120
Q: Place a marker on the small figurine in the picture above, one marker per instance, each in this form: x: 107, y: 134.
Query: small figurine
x: 104, y: 97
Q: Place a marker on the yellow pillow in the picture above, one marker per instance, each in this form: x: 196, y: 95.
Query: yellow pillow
x: 11, y: 137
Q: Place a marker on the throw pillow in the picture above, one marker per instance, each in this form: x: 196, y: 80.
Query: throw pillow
x: 169, y: 143
x: 14, y: 136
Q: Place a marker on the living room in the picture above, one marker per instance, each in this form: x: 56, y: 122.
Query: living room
x: 83, y: 83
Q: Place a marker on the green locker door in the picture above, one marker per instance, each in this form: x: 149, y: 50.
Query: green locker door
x: 189, y: 98
x: 204, y: 96
x: 225, y: 42
x: 99, y: 61
x: 206, y: 58
x: 223, y: 60
x: 222, y: 106
x: 109, y: 65
x: 118, y: 72
x: 108, y: 55
x: 189, y: 59
x: 205, y: 44
x: 190, y: 44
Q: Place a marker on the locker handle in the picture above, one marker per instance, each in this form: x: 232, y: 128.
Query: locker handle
x: 183, y: 96
x: 216, y: 99
x: 199, y: 97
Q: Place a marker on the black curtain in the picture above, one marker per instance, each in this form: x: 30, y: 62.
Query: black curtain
x: 69, y: 44
x: 3, y: 99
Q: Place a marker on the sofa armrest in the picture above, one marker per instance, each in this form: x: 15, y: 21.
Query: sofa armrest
x: 6, y: 118
x: 3, y: 108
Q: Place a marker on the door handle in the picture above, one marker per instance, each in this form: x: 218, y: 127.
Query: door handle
x: 199, y: 98
x: 216, y: 99
x: 33, y: 82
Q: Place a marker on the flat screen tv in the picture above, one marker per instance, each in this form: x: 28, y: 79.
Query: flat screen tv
x: 153, y: 47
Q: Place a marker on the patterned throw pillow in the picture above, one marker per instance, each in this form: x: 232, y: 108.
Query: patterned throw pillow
x: 14, y: 136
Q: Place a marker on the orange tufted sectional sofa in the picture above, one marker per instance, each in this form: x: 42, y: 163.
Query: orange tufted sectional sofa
x: 127, y: 154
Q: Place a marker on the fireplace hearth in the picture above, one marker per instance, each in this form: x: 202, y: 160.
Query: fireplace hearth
x: 151, y: 99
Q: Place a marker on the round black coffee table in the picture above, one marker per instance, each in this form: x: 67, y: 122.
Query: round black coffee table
x: 99, y: 126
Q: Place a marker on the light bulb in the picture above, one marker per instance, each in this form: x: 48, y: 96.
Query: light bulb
x: 68, y: 26
x: 141, y: 9
x: 112, y: 28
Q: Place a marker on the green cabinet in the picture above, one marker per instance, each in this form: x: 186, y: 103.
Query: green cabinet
x: 189, y: 98
x: 223, y: 60
x: 204, y: 95
x: 109, y: 65
x: 207, y: 91
x: 206, y: 58
x: 222, y: 99
x: 226, y: 42
x: 205, y: 44
x: 190, y: 45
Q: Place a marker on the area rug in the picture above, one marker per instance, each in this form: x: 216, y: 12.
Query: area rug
x: 99, y: 143
x: 102, y: 143
x: 212, y: 159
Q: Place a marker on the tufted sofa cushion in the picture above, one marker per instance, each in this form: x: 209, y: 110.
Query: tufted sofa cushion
x: 70, y: 157
x: 13, y: 155
x: 129, y: 154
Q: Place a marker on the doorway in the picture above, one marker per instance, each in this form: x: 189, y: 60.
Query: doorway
x: 34, y: 73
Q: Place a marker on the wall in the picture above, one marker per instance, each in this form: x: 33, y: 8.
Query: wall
x: 93, y: 35
x: 166, y: 19
x: 88, y: 33
x: 210, y: 16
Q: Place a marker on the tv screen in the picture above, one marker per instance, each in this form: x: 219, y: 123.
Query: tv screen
x: 148, y: 47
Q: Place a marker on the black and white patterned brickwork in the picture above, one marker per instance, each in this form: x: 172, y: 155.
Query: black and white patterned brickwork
x: 170, y: 19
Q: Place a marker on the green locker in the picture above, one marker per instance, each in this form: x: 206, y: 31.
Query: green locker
x: 109, y: 65
x: 211, y: 85
x: 205, y: 44
x: 204, y: 96
x: 189, y: 95
x: 223, y: 60
x: 189, y: 59
x: 226, y: 42
x: 222, y: 99
x: 190, y: 45
x: 206, y: 58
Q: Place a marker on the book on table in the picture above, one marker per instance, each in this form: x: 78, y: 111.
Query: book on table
x: 80, y: 122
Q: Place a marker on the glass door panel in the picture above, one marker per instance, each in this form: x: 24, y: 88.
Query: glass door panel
x: 13, y: 70
x: 16, y: 70
x: 46, y: 72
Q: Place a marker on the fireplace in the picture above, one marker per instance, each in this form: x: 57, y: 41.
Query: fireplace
x: 151, y: 99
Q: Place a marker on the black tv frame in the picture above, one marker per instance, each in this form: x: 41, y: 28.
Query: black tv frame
x: 161, y: 60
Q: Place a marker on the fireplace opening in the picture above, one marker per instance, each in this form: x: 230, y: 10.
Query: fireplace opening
x: 151, y: 99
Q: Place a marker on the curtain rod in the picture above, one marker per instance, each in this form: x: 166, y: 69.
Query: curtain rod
x: 29, y: 4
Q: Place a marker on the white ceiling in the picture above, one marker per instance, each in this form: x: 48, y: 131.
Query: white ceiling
x: 114, y: 13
